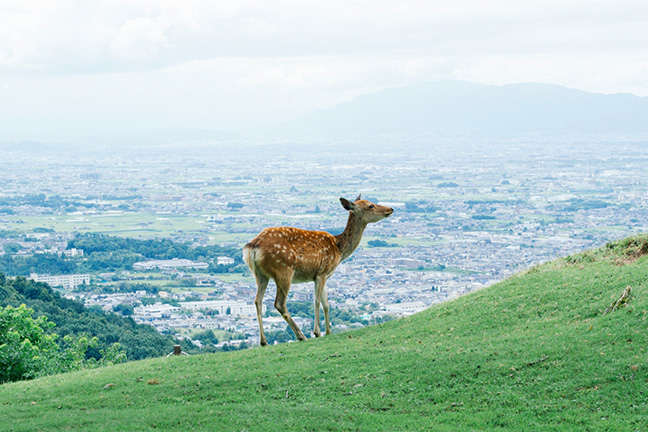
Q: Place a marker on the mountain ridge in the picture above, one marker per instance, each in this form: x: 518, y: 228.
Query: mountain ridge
x: 465, y: 109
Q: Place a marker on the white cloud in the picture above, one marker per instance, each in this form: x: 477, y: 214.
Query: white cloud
x: 236, y: 63
x: 79, y: 35
x: 140, y: 40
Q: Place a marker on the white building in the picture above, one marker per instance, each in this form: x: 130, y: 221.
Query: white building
x: 73, y: 252
x: 223, y: 260
x: 169, y: 264
x: 65, y: 281
x: 405, y: 308
x: 67, y: 252
x: 236, y: 308
x: 405, y: 262
x: 156, y: 310
x: 304, y: 296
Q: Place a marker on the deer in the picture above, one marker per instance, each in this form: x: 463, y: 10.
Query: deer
x: 292, y: 255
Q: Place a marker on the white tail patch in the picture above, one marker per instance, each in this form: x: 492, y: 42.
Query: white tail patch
x: 251, y: 256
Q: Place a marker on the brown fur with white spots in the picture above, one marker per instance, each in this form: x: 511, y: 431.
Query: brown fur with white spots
x: 289, y: 255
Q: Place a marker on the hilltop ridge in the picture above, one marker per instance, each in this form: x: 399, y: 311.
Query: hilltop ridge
x: 534, y: 352
x: 461, y: 109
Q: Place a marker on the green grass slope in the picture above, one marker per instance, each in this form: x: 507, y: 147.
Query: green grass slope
x: 533, y: 353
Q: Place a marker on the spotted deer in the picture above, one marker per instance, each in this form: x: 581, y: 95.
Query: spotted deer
x: 289, y: 255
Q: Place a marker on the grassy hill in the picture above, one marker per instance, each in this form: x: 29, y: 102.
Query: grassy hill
x: 535, y: 352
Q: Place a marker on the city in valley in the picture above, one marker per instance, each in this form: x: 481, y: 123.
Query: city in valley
x: 466, y: 215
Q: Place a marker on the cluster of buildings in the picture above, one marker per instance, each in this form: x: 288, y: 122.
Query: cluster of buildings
x: 171, y: 311
x: 208, y: 314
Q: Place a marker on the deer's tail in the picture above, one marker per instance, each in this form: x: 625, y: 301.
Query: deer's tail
x: 251, y: 255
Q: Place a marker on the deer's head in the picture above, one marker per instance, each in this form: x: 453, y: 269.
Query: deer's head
x: 365, y: 211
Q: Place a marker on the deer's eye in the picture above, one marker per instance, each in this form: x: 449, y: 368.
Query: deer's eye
x: 371, y: 206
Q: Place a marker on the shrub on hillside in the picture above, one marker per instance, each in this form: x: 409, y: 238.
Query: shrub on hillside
x: 28, y: 351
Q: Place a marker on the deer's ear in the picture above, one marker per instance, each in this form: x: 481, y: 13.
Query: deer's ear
x: 348, y: 205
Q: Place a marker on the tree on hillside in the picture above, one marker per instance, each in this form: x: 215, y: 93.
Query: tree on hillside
x: 206, y: 337
x: 380, y: 243
x: 26, y: 350
x: 74, y: 319
x: 124, y: 309
x: 138, y: 249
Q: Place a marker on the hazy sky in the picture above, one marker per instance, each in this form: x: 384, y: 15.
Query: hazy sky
x: 83, y: 67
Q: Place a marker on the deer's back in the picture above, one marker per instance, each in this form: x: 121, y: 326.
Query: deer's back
x: 307, y: 254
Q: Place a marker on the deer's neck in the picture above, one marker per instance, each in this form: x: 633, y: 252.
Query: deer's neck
x: 350, y: 238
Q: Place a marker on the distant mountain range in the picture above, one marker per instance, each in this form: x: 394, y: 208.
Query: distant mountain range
x: 465, y: 109
x: 418, y: 112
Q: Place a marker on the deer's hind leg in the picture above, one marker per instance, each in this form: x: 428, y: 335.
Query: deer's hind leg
x: 283, y: 286
x: 262, y: 283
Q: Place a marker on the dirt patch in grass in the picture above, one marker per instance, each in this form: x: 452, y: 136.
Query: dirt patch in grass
x: 629, y: 250
x: 619, y: 252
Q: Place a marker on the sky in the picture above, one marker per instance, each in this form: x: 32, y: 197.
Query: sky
x: 71, y: 68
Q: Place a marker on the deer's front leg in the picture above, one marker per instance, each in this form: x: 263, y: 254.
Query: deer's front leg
x: 316, y: 298
x: 320, y: 297
x: 325, y: 306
